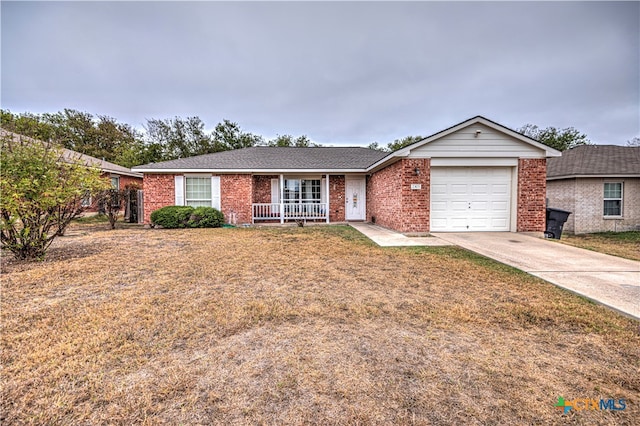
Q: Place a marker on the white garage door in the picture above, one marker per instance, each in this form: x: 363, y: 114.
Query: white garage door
x: 470, y: 199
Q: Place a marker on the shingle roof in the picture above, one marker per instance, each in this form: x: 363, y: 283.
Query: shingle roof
x: 68, y: 154
x: 595, y: 160
x: 276, y: 158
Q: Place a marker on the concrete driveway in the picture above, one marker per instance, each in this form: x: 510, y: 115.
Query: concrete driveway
x: 609, y: 280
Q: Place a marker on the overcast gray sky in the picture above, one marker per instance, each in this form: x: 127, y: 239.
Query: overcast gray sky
x: 341, y: 73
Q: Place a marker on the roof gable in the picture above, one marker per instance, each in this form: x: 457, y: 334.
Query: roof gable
x: 483, y: 122
x: 443, y: 137
x: 595, y: 160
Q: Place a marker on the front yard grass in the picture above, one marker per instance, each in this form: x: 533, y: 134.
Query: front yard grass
x: 622, y: 244
x: 312, y: 325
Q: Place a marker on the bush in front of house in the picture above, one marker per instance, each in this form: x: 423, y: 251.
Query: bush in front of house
x: 172, y: 217
x: 206, y: 217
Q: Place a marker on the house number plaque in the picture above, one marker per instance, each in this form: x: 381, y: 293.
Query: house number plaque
x: 416, y: 186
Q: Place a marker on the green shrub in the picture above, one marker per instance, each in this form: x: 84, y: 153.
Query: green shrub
x: 206, y: 217
x: 172, y: 216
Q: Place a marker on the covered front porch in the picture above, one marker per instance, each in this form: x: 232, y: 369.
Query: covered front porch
x: 291, y: 198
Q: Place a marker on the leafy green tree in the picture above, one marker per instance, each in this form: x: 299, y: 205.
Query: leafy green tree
x: 396, y: 144
x: 560, y: 139
x: 377, y: 147
x: 179, y: 137
x: 41, y: 191
x: 101, y: 137
x: 288, y: 140
x: 111, y: 201
x: 401, y: 143
x: 228, y: 135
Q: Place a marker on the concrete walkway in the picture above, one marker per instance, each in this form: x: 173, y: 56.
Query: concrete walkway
x: 609, y: 280
x: 387, y: 238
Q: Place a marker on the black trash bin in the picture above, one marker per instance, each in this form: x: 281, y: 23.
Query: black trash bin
x: 555, y: 221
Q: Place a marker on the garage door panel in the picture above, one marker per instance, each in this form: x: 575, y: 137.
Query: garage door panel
x: 499, y: 206
x: 458, y: 206
x: 458, y: 224
x: 499, y: 188
x: 439, y: 206
x: 459, y: 188
x: 470, y: 199
x: 478, y: 206
x: 437, y: 189
x: 479, y: 189
x: 499, y: 223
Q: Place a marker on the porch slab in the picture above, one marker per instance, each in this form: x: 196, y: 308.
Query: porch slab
x: 388, y: 238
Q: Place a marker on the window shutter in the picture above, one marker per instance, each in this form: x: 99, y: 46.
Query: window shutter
x: 275, y: 195
x: 275, y: 190
x: 215, y: 192
x: 179, y: 191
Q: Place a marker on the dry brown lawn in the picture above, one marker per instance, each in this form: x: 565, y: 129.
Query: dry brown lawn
x: 311, y: 325
x: 622, y: 244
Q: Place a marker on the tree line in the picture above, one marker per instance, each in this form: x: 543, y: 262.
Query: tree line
x: 104, y: 137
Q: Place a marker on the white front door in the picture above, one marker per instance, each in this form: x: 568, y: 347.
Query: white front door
x: 470, y: 199
x: 355, y: 198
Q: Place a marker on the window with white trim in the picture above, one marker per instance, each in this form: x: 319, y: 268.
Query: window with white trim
x: 115, y: 182
x: 302, y: 191
x: 198, y: 191
x: 613, y: 199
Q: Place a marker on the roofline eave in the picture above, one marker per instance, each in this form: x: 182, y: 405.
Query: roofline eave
x: 252, y: 171
x: 601, y: 175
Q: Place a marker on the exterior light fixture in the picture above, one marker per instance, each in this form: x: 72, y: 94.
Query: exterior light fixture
x: 416, y: 171
x: 478, y: 133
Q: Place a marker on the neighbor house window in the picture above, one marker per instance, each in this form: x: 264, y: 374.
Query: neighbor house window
x: 115, y: 182
x: 198, y: 191
x: 86, y: 200
x: 613, y: 199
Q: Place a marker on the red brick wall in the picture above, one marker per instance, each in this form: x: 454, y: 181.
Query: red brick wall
x: 159, y: 191
x: 416, y: 202
x: 336, y: 198
x: 393, y: 203
x: 130, y: 180
x: 262, y: 188
x: 236, y: 193
x: 384, y: 196
x: 532, y: 180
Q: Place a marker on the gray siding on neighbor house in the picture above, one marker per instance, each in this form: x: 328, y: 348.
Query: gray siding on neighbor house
x: 584, y: 197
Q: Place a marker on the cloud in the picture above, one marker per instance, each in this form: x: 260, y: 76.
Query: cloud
x: 342, y: 73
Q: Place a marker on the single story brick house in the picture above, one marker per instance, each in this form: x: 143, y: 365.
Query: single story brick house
x: 475, y: 176
x: 600, y: 185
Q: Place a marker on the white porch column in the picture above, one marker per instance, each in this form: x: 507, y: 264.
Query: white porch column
x: 281, y: 198
x: 327, y: 192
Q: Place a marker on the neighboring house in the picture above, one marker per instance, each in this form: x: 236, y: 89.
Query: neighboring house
x: 121, y: 177
x: 475, y: 176
x: 600, y: 185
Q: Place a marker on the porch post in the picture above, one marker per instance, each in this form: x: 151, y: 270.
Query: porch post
x: 328, y: 198
x: 281, y: 198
